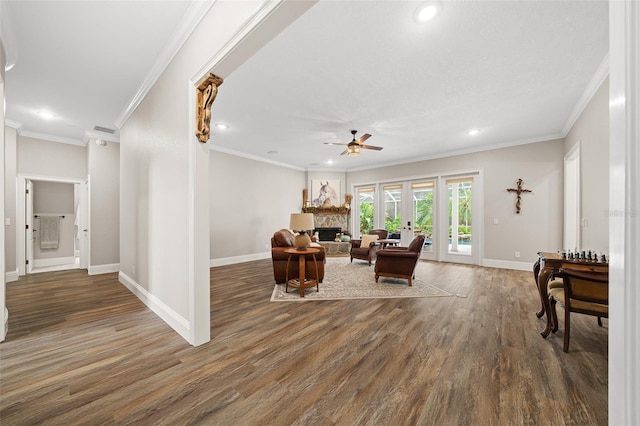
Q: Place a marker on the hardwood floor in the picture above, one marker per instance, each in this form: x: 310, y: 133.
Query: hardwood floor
x: 83, y: 350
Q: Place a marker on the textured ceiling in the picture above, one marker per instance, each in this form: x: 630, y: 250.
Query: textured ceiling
x: 516, y: 70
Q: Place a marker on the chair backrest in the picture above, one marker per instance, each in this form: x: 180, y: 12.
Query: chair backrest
x: 381, y: 233
x: 282, y: 238
x: 416, y: 244
x: 586, y: 286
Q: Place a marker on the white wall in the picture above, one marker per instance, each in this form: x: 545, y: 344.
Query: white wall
x: 592, y: 130
x: 536, y: 228
x: 624, y: 209
x: 44, y: 158
x: 164, y: 244
x: 104, y: 209
x: 4, y: 314
x: 10, y: 173
x: 249, y: 201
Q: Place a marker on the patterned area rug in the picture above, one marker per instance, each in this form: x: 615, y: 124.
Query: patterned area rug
x: 345, y: 280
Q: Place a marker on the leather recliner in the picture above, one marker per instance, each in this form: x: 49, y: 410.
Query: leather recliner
x: 399, y: 262
x: 284, y: 239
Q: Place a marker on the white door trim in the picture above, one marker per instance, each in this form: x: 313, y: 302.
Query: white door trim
x: 21, y: 212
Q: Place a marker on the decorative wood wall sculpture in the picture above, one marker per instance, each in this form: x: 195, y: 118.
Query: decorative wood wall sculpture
x: 205, y: 95
x: 518, y: 190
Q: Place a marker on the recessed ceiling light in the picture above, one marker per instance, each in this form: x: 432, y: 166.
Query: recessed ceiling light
x: 473, y: 132
x: 427, y: 11
x: 47, y: 115
x: 222, y: 126
x: 329, y: 161
x: 272, y: 152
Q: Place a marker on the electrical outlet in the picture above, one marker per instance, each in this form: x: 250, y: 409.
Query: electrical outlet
x: 495, y: 221
x: 266, y: 246
x: 517, y: 255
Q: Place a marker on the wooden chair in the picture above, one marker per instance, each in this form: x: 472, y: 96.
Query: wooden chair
x: 584, y: 292
x: 368, y: 250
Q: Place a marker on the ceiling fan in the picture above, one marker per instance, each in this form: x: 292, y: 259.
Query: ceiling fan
x: 353, y: 147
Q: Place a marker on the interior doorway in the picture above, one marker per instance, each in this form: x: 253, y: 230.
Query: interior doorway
x: 571, y: 228
x: 53, y: 214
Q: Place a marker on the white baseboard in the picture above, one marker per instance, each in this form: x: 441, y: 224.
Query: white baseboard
x: 508, y: 264
x: 238, y: 259
x: 168, y: 315
x: 103, y: 269
x: 54, y: 261
x: 11, y: 276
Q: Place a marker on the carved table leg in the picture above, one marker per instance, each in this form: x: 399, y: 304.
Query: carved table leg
x: 543, y: 278
x: 536, y: 272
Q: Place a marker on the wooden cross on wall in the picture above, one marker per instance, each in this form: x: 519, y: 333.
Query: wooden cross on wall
x: 518, y: 190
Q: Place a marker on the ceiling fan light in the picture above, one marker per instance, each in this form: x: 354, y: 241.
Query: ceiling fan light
x: 353, y: 151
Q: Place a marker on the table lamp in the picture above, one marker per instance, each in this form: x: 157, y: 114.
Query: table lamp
x: 301, y: 222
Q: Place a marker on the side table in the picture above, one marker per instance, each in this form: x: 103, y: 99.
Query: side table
x: 301, y: 282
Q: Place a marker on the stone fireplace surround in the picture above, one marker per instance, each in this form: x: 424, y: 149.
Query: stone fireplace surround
x: 331, y: 220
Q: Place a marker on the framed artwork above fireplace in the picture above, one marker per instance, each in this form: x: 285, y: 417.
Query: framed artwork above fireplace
x: 325, y: 193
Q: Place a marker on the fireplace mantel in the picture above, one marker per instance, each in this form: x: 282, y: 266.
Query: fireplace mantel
x: 325, y: 210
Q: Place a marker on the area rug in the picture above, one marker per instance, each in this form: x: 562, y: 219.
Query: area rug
x: 345, y: 280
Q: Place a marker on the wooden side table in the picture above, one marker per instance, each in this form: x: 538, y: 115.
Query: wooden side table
x: 301, y: 282
x: 389, y: 242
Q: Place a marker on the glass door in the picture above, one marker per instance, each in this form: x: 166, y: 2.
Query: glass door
x: 424, y: 217
x: 394, y: 212
x: 364, y: 211
x: 462, y: 214
x: 409, y: 211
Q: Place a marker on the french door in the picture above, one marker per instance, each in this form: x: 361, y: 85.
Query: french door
x: 407, y: 209
x: 462, y: 211
x: 447, y: 210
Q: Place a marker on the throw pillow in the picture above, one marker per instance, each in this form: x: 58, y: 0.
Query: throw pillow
x: 367, y: 240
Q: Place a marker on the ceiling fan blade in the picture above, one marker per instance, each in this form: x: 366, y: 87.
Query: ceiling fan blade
x: 377, y: 148
x: 363, y: 138
x: 335, y: 143
x: 344, y: 152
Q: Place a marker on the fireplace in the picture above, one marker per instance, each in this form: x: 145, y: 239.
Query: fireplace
x: 327, y: 234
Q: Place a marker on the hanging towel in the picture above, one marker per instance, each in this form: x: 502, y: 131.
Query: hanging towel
x: 49, y: 232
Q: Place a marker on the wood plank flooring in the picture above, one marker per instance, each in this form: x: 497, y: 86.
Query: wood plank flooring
x: 83, y: 350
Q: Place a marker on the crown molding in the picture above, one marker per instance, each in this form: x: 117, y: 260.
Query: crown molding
x: 187, y: 25
x: 592, y: 87
x: 253, y: 157
x: 13, y: 124
x: 51, y: 138
x: 88, y: 134
x: 545, y: 138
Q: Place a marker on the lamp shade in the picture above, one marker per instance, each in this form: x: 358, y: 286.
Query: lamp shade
x: 301, y: 222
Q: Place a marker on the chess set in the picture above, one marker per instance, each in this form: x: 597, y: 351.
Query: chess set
x: 584, y: 256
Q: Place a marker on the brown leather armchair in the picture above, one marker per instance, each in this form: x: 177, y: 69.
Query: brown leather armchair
x: 399, y: 262
x: 284, y: 239
x: 367, y: 253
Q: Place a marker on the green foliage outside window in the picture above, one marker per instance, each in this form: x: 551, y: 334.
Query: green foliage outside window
x: 366, y: 217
